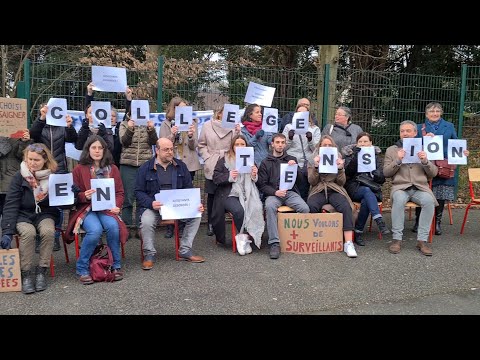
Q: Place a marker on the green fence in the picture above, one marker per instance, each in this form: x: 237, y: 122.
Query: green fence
x: 379, y: 100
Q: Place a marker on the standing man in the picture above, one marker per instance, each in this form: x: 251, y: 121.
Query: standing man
x: 410, y: 183
x: 269, y: 182
x: 163, y: 172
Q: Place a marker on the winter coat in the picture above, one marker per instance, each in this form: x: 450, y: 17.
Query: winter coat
x: 136, y: 144
x: 10, y: 161
x: 261, y: 145
x: 269, y: 174
x: 54, y: 138
x: 343, y: 136
x: 294, y: 146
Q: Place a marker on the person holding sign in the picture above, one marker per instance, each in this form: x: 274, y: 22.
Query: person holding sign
x: 269, y: 184
x: 96, y: 162
x: 213, y: 143
x: 409, y: 183
x: 442, y: 188
x: 328, y: 189
x: 367, y: 196
x: 302, y: 146
x: 28, y: 213
x: 343, y: 132
x: 252, y: 130
x: 237, y: 194
x: 163, y: 172
x: 137, y: 142
x: 287, y: 119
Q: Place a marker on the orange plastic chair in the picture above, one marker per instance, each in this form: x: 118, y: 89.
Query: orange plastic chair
x: 473, y: 176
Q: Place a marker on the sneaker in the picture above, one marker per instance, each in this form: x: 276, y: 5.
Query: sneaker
x: 241, y: 240
x: 349, y: 249
x: 275, y: 251
x: 248, y: 248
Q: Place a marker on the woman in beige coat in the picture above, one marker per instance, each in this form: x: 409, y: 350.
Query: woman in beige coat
x: 328, y: 189
x: 213, y: 143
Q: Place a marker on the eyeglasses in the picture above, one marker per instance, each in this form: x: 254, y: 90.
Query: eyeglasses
x: 434, y: 111
x: 167, y: 149
x: 34, y: 147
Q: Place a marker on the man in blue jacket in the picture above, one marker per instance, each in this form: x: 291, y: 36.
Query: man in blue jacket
x: 163, y: 172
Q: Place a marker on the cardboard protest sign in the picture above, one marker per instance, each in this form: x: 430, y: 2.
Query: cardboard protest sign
x: 13, y: 117
x: 10, y: 276
x: 310, y: 233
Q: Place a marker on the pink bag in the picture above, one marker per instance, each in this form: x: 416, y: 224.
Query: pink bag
x: 101, y: 264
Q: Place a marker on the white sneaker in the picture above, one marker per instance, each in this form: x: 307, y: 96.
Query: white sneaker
x: 349, y: 248
x: 241, y: 240
x: 248, y: 248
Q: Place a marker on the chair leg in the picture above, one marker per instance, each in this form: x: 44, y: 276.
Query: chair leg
x: 450, y: 213
x: 465, y: 218
x: 123, y: 250
x: 432, y: 229
x: 177, y: 241
x: 67, y: 259
x: 380, y: 236
x: 77, y: 246
x: 234, y: 243
x: 52, y: 267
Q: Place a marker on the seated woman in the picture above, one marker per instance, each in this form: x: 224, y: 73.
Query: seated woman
x: 364, y: 194
x: 96, y: 162
x: 27, y: 212
x: 237, y: 194
x: 328, y: 189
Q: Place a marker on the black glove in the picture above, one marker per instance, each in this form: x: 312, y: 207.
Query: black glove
x: 290, y: 134
x: 259, y: 134
x: 6, y: 242
x: 356, y: 150
x: 85, y: 124
x: 102, y: 130
x: 75, y: 190
x: 309, y: 136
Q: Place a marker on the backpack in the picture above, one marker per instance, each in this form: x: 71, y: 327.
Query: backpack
x: 101, y: 264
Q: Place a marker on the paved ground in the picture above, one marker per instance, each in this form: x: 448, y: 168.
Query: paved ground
x: 376, y: 282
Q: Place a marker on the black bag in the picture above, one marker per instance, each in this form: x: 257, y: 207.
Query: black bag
x: 365, y: 180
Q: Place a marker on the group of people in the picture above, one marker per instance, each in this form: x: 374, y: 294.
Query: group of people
x: 126, y: 156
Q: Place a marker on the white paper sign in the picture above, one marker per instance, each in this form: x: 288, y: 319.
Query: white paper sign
x: 230, y: 116
x: 433, y: 146
x: 110, y: 79
x: 244, y: 159
x: 366, y: 159
x: 57, y: 112
x: 104, y: 197
x: 60, y: 189
x: 183, y: 117
x: 102, y: 113
x: 270, y: 120
x: 71, y: 151
x: 328, y: 160
x: 288, y: 176
x: 456, y: 147
x: 300, y: 122
x: 179, y: 203
x: 412, y: 147
x: 259, y: 94
x: 140, y: 112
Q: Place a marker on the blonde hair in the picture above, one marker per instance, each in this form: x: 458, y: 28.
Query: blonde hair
x: 41, y: 149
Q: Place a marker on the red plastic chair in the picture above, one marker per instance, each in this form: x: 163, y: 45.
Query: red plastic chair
x: 176, y: 233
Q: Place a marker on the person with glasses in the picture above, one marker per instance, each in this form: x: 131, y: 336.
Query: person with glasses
x: 343, y: 131
x: 27, y: 213
x: 443, y: 189
x: 163, y: 172
x: 287, y: 119
x: 96, y: 162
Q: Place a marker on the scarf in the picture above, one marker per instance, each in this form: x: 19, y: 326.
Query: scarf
x: 434, y: 125
x: 252, y: 127
x: 100, y: 173
x: 38, y: 183
x: 247, y: 192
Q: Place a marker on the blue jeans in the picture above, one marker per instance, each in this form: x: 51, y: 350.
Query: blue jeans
x: 94, y: 224
x: 369, y: 205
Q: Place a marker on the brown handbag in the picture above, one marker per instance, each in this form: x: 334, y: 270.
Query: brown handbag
x: 445, y: 170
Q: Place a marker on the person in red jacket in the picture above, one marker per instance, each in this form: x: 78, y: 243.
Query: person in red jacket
x: 96, y: 162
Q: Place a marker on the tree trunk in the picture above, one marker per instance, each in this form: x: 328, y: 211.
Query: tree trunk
x: 327, y: 54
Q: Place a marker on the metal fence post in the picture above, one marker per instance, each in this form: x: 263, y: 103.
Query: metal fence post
x: 26, y: 93
x: 160, y: 84
x: 326, y: 83
x: 463, y: 91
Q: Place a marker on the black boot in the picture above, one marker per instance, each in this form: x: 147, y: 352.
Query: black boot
x: 169, y: 232
x: 438, y: 216
x: 40, y: 281
x: 382, y: 226
x: 56, y: 243
x: 418, y: 210
x: 358, y: 237
x: 210, y: 230
x: 28, y: 282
